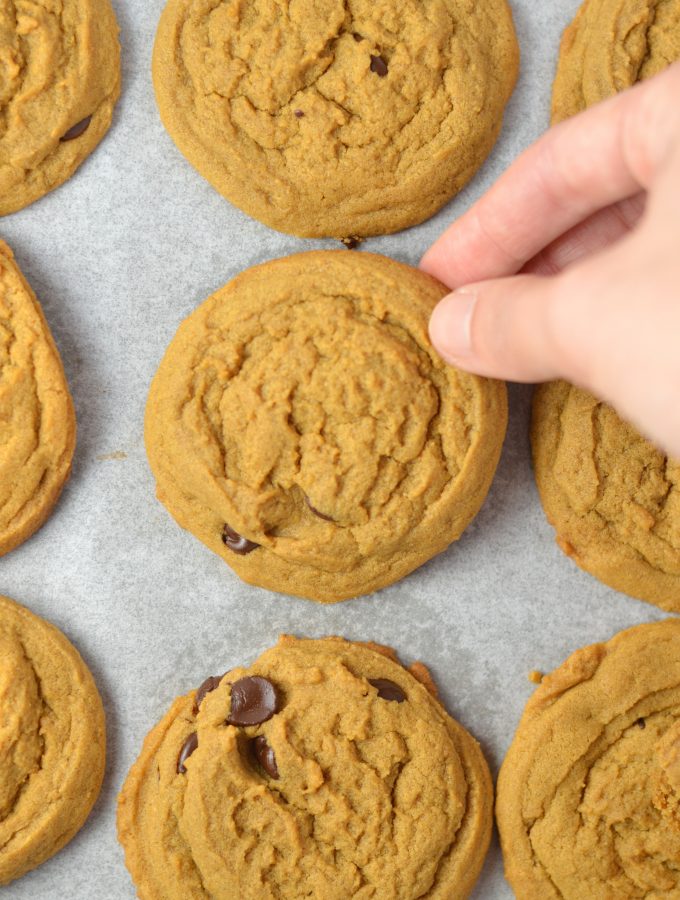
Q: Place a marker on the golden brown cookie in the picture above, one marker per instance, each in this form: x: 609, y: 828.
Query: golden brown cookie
x: 589, y: 794
x: 339, y: 117
x: 612, y: 497
x: 323, y: 770
x: 611, y: 45
x: 59, y: 82
x: 302, y: 426
x: 52, y: 741
x: 37, y: 421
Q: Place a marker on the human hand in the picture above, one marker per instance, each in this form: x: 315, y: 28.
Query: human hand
x: 590, y: 218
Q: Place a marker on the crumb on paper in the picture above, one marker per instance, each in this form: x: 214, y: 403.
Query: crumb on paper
x: 535, y: 677
x: 117, y: 454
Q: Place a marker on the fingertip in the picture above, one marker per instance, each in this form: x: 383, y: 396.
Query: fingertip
x: 499, y: 328
x: 450, y: 326
x: 429, y: 262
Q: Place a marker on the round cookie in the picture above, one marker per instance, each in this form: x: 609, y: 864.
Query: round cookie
x: 37, y: 420
x: 59, y: 82
x: 326, y: 769
x: 611, y: 45
x: 589, y: 793
x: 52, y: 741
x: 302, y: 426
x: 336, y: 118
x: 613, y: 498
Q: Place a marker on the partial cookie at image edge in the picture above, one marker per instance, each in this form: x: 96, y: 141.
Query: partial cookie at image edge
x: 588, y: 795
x: 57, y: 729
x: 610, y: 46
x: 38, y: 430
x: 613, y: 499
x: 49, y: 134
x: 374, y: 701
x: 377, y: 117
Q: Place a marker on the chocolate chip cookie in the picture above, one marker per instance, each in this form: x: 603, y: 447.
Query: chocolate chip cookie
x: 611, y: 45
x: 52, y: 741
x: 589, y: 793
x: 326, y: 769
x: 37, y: 421
x: 613, y: 498
x: 302, y: 426
x: 336, y: 118
x: 59, y: 82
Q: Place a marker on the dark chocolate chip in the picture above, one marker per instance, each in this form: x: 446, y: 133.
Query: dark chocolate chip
x: 351, y: 242
x: 299, y: 114
x: 388, y: 690
x: 357, y: 37
x: 641, y: 723
x: 317, y: 513
x: 76, y: 130
x: 208, y: 685
x: 237, y: 542
x: 188, y: 748
x: 379, y: 66
x: 265, y: 756
x: 253, y: 701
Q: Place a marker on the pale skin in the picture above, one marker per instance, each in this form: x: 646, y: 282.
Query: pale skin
x: 569, y: 267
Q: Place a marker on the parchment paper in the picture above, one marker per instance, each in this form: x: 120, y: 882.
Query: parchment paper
x: 118, y: 256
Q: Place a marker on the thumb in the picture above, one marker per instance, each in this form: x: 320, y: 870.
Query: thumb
x: 608, y: 324
x: 501, y: 328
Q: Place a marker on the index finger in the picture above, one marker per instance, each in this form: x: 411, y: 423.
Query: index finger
x: 607, y: 153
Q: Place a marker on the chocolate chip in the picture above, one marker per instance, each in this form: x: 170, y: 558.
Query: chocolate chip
x: 351, y: 242
x: 208, y: 685
x: 357, y: 37
x: 265, y: 756
x: 379, y: 66
x: 237, y: 542
x: 76, y: 130
x: 641, y: 723
x: 188, y: 748
x: 388, y: 690
x: 253, y: 701
x: 299, y: 114
x: 317, y: 513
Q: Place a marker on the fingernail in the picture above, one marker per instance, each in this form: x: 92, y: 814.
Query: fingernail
x: 450, y: 325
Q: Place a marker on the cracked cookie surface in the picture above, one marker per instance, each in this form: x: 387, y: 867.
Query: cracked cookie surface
x: 357, y: 785
x: 336, y: 118
x: 302, y: 426
x: 612, y: 497
x: 52, y: 741
x: 59, y: 82
x: 37, y: 420
x: 589, y: 793
x: 610, y: 46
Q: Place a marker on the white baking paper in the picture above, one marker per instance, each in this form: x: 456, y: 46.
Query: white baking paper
x: 118, y: 257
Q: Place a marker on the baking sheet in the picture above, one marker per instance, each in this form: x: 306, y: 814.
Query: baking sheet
x: 118, y: 257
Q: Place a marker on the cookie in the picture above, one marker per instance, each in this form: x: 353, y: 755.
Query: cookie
x: 612, y: 497
x: 52, y: 741
x: 589, y: 792
x: 336, y: 118
x: 59, y: 82
x: 37, y: 421
x: 326, y: 769
x: 610, y: 46
x: 302, y: 426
